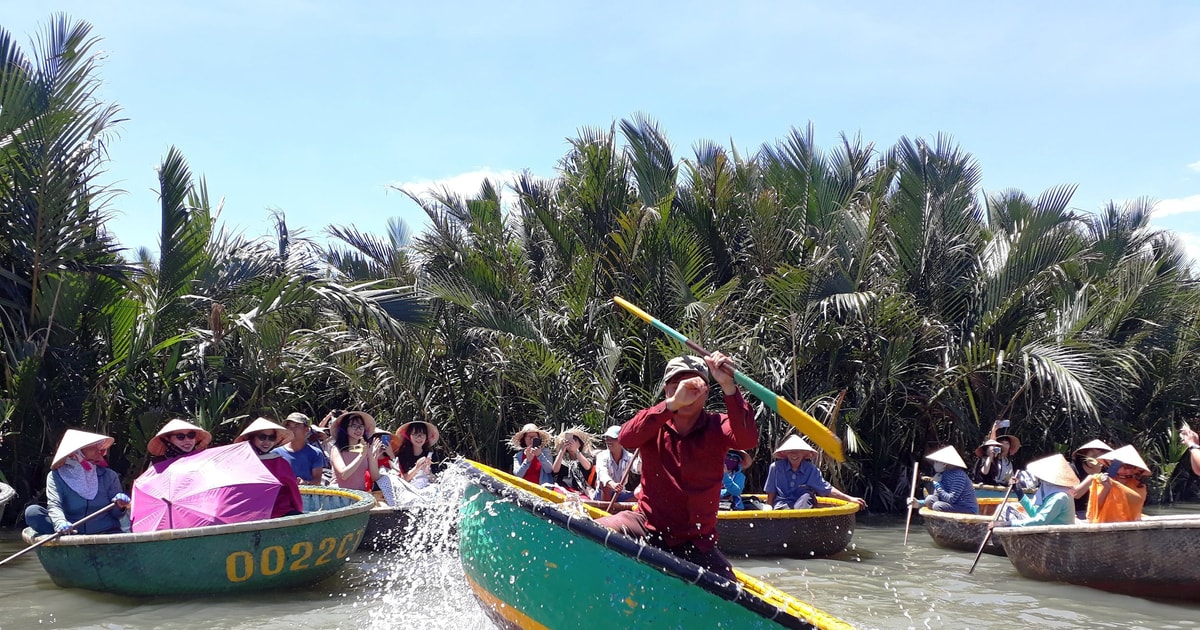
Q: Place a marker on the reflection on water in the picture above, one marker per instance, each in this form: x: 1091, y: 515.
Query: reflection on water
x: 878, y: 583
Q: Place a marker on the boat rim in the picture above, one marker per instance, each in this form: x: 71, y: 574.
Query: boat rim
x: 1147, y: 523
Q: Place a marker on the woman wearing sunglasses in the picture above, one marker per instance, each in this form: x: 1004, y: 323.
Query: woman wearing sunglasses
x: 176, y: 439
x: 80, y: 483
x: 264, y: 435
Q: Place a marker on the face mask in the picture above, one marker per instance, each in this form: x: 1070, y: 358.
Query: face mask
x: 732, y: 463
x: 939, y: 466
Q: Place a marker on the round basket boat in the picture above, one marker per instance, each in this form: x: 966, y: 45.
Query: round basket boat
x: 1154, y: 557
x: 963, y: 532
x: 271, y: 554
x: 813, y: 533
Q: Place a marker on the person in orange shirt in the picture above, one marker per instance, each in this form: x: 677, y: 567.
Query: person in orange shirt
x: 1119, y: 494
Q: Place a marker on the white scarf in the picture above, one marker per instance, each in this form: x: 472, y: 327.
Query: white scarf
x: 80, y: 475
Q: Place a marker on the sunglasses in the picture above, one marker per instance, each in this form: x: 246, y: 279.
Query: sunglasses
x: 264, y: 437
x: 189, y: 435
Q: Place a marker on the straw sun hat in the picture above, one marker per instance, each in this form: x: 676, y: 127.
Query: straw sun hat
x: 158, y: 446
x: 582, y: 434
x: 979, y: 449
x: 368, y: 423
x: 261, y: 425
x: 793, y: 443
x: 1055, y: 470
x: 948, y: 456
x: 74, y: 440
x: 745, y: 456
x: 517, y: 440
x: 431, y: 431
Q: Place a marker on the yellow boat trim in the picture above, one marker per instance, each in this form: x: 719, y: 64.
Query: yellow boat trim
x: 510, y: 614
x: 827, y: 506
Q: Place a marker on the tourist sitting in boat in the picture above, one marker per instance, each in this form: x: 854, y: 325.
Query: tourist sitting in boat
x: 531, y: 461
x: 1192, y: 442
x: 1084, y: 463
x: 572, y: 466
x: 414, y: 452
x: 80, y: 484
x: 992, y: 466
x: 952, y: 489
x: 307, y: 461
x: 176, y: 439
x: 794, y: 482
x: 264, y: 435
x: 1119, y: 494
x: 734, y: 481
x: 1053, y: 504
x: 682, y: 446
x: 613, y: 468
x: 354, y: 460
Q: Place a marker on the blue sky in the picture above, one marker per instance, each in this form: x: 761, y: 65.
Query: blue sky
x: 316, y: 108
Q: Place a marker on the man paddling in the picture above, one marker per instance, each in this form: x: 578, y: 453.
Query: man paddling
x: 683, y: 448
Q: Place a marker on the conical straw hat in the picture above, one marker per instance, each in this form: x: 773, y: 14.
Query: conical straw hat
x: 1093, y: 445
x: 947, y: 455
x: 1126, y: 455
x: 157, y: 447
x: 1055, y: 469
x: 282, y: 434
x: 793, y: 443
x: 73, y: 440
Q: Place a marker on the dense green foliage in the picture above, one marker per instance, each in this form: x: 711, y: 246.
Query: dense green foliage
x: 877, y: 288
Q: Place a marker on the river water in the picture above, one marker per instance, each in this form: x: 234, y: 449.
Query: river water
x: 878, y: 583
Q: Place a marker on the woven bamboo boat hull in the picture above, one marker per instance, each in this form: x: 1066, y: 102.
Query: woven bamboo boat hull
x: 270, y: 554
x: 386, y: 528
x: 963, y: 532
x: 813, y: 533
x: 1156, y: 557
x: 535, y: 563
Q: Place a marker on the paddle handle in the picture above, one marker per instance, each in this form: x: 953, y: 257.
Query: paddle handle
x: 55, y: 535
x: 986, y: 538
x: 912, y: 494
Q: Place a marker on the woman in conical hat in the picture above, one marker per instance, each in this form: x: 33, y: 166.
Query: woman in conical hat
x: 1085, y: 464
x: 177, y: 438
x: 264, y: 435
x: 793, y: 480
x: 1053, y: 504
x: 952, y: 489
x: 80, y: 483
x: 1119, y: 495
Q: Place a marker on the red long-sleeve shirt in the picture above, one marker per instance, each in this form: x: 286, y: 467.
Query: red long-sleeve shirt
x: 681, y: 474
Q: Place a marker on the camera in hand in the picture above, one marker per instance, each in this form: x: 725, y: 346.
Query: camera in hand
x: 537, y: 442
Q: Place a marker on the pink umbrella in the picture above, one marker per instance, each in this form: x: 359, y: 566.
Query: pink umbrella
x: 227, y: 484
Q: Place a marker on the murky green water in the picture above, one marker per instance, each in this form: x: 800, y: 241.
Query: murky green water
x: 879, y: 583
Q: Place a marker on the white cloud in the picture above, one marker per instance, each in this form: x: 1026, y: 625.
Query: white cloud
x: 1183, y: 205
x: 1195, y: 166
x: 465, y: 185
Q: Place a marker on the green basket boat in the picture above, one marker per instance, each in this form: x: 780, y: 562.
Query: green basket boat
x: 821, y: 531
x: 533, y: 563
x: 269, y: 554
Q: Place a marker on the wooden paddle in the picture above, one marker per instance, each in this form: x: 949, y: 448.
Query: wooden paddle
x: 995, y: 517
x: 798, y: 418
x: 55, y: 535
x: 912, y: 494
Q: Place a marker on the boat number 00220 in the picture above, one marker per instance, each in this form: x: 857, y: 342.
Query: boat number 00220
x: 240, y: 565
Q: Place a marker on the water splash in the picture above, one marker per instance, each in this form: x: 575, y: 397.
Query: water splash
x: 415, y: 576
